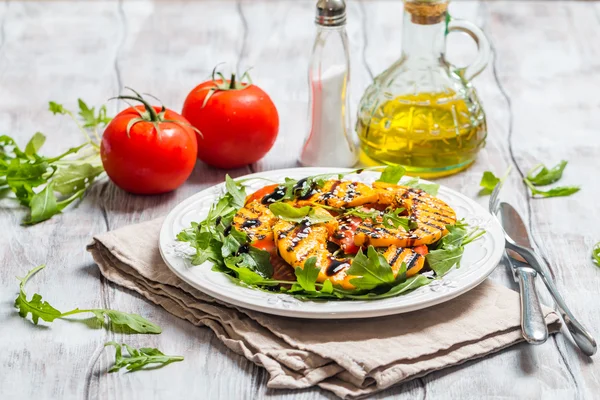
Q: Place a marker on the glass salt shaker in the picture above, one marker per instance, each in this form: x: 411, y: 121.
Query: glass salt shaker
x: 329, y: 142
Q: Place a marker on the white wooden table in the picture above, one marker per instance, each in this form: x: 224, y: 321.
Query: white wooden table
x: 541, y: 97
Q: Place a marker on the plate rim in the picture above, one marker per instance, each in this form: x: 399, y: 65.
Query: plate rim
x: 390, y: 309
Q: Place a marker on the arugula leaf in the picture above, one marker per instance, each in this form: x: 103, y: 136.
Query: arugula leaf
x: 488, y: 183
x: 139, y: 358
x: 35, y: 306
x: 392, y: 174
x: 559, y: 191
x: 541, y: 176
x: 75, y: 177
x: 410, y: 284
x: 454, y: 238
x: 430, y: 188
x: 23, y: 172
x: 442, y: 260
x: 596, y: 254
x: 237, y: 192
x: 258, y: 260
x: 56, y: 108
x: 372, y: 270
x: 233, y: 242
x: 120, y: 319
x: 43, y: 206
x: 392, y: 219
x: 327, y: 287
x: 89, y: 117
x: 43, y: 310
x: 364, y: 213
x: 287, y: 212
x: 308, y: 274
x: 35, y: 144
x: 244, y: 274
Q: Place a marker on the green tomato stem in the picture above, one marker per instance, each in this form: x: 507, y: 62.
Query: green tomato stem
x: 153, y: 114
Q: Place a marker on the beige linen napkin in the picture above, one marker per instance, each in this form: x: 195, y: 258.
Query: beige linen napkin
x: 351, y: 358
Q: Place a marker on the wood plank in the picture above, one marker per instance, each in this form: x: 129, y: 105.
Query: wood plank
x: 166, y: 55
x: 60, y: 52
x: 550, y: 88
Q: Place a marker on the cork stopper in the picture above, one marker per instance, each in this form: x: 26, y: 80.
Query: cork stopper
x: 426, y: 12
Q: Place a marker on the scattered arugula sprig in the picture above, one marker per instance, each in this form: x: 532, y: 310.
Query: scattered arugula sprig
x: 489, y: 181
x: 596, y: 254
x: 139, y: 358
x: 68, y: 174
x: 43, y: 310
x: 540, y: 175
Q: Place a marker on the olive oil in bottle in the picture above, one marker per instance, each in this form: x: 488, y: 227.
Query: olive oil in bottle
x: 431, y: 134
x: 422, y: 112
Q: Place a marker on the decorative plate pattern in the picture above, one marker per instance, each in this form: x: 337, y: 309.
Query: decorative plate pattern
x: 479, y: 260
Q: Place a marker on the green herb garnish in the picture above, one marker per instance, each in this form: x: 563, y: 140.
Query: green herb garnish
x: 139, y: 358
x: 69, y: 174
x: 287, y: 212
x: 392, y: 174
x: 392, y: 219
x: 542, y: 176
x: 429, y: 188
x: 372, y: 270
x: 449, y: 250
x: 389, y: 219
x: 307, y: 276
x: 596, y: 254
x: 43, y: 310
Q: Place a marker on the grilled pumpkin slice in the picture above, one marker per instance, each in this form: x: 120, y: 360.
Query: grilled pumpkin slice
x: 256, y: 220
x: 341, y: 194
x: 395, y: 256
x: 296, y: 243
x: 430, y: 213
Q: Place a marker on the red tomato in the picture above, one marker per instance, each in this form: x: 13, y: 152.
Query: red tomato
x: 144, y: 161
x: 260, y: 193
x: 422, y: 250
x: 238, y: 122
x: 266, y: 245
x: 346, y: 241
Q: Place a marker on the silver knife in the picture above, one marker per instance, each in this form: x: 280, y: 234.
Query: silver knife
x: 519, y: 248
x: 533, y: 324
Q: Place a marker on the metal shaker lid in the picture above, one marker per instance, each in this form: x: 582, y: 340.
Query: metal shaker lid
x: 331, y: 13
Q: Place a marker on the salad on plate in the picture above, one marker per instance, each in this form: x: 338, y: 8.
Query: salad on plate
x: 330, y: 237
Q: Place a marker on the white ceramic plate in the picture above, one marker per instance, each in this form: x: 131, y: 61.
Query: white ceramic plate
x: 479, y: 259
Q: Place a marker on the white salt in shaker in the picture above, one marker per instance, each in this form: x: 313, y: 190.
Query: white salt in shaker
x: 329, y: 142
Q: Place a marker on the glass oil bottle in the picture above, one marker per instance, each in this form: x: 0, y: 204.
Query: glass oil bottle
x: 422, y: 112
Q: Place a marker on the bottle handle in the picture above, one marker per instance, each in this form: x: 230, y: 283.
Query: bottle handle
x: 483, y: 46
